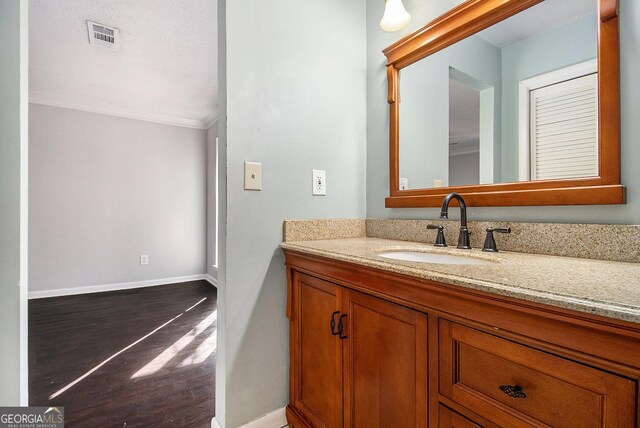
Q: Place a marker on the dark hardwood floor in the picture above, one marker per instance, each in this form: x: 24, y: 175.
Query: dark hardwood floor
x: 132, y: 358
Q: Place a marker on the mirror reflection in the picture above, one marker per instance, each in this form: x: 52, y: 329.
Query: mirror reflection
x: 514, y: 102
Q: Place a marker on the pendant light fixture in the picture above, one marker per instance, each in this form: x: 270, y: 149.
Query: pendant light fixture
x: 395, y: 16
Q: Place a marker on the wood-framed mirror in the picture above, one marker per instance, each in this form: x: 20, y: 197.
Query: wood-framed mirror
x: 456, y: 77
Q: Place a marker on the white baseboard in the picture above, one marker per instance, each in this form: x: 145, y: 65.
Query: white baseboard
x: 113, y: 287
x: 215, y: 423
x: 275, y: 419
x: 213, y: 281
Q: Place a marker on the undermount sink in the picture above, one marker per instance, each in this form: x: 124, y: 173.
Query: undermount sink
x: 446, y: 259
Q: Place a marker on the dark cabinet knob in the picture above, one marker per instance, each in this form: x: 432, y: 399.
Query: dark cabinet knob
x: 514, y: 391
x: 440, y: 242
x: 490, y: 242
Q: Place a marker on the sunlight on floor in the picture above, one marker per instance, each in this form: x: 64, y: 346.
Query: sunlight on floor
x: 178, y: 346
x: 87, y: 374
x: 201, y: 353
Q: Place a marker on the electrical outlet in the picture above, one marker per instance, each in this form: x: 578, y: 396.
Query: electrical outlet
x: 252, y: 176
x: 144, y: 260
x: 404, y: 183
x: 437, y: 183
x: 319, y: 183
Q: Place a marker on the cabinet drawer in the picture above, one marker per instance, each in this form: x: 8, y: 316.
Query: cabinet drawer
x: 447, y: 418
x: 479, y: 370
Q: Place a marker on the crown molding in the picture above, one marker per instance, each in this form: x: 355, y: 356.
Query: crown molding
x: 210, y: 120
x: 43, y: 98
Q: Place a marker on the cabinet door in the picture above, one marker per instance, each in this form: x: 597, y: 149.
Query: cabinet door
x: 385, y: 364
x: 316, y: 352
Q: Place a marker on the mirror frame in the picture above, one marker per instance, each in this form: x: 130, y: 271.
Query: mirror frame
x: 465, y: 20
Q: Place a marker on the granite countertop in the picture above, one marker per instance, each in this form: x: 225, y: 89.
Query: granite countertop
x: 606, y: 288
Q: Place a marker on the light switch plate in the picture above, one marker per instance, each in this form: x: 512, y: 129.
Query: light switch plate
x: 319, y: 183
x: 252, y: 176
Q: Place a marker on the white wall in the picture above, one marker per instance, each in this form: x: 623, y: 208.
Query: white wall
x: 295, y: 78
x: 212, y: 171
x: 105, y: 190
x: 221, y: 174
x: 13, y: 203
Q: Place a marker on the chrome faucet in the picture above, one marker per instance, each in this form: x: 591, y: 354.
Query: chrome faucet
x: 463, y: 237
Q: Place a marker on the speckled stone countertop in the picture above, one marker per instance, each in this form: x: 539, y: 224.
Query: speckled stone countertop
x: 606, y: 288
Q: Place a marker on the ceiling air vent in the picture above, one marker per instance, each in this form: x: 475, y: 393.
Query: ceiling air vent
x: 103, y: 36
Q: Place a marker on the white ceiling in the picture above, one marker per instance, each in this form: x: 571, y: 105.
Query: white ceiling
x: 537, y: 19
x: 165, y: 71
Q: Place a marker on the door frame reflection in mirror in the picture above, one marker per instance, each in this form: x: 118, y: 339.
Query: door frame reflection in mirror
x: 526, y: 88
x: 474, y: 16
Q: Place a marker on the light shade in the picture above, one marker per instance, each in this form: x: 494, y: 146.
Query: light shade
x: 395, y: 16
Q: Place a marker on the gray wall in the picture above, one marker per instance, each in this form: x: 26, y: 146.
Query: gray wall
x: 378, y: 120
x: 12, y: 301
x: 105, y: 190
x: 295, y: 78
x: 464, y: 169
x: 212, y: 172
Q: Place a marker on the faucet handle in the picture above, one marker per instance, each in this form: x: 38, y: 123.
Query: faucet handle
x: 440, y: 242
x: 490, y: 242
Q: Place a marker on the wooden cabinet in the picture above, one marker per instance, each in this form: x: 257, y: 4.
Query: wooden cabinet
x: 316, y: 353
x: 367, y: 368
x: 451, y: 419
x: 406, y: 352
x: 515, y: 385
x: 385, y: 364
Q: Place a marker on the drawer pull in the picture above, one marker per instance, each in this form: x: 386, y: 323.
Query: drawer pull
x: 341, y: 327
x: 513, y: 391
x: 332, y: 324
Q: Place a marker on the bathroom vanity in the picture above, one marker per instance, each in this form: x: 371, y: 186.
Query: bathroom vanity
x: 389, y: 331
x: 520, y: 340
